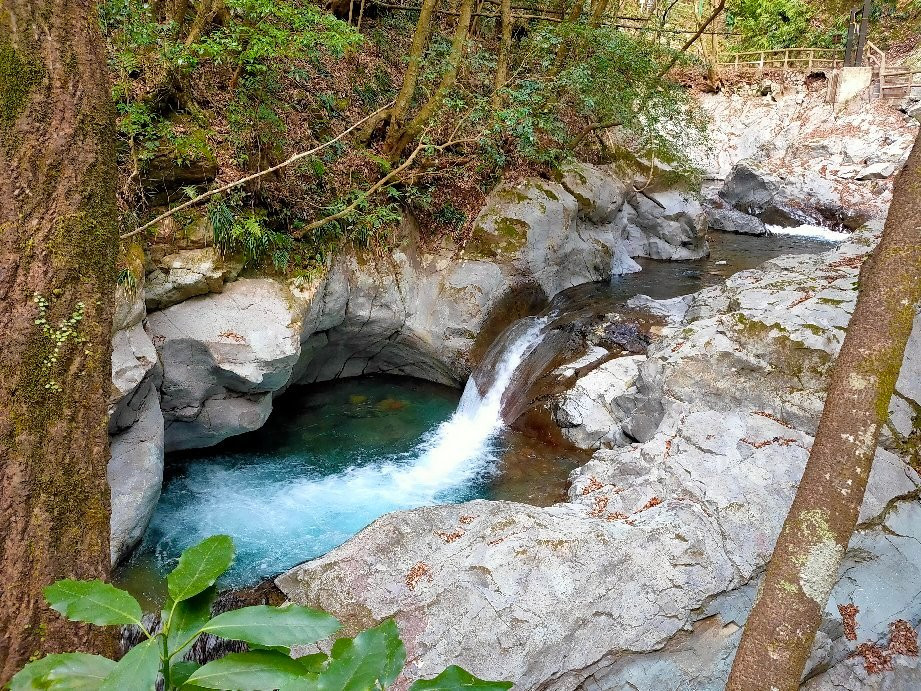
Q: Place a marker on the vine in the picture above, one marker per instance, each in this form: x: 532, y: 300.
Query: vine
x: 66, y: 331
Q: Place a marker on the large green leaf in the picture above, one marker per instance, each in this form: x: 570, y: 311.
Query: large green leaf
x: 75, y: 671
x: 180, y: 672
x: 94, y: 602
x: 199, y: 567
x: 257, y: 669
x: 137, y: 670
x: 357, y: 664
x: 265, y: 625
x: 455, y: 678
x: 188, y: 617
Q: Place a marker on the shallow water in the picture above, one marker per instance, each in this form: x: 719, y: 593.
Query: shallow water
x: 331, y: 459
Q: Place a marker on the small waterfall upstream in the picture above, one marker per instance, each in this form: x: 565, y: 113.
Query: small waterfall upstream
x: 293, y: 504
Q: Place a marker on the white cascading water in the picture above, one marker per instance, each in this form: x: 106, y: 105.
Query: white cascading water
x: 278, y: 520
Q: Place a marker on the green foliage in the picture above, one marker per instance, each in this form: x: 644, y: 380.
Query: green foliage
x: 238, y: 231
x: 371, y: 660
x: 57, y: 337
x: 609, y: 79
x: 770, y: 24
x: 199, y: 567
x: 93, y: 602
x: 454, y: 678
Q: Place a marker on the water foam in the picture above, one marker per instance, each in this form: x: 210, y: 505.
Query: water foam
x: 810, y: 231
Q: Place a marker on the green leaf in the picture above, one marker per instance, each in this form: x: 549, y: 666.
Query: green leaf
x: 313, y: 663
x: 199, y: 567
x: 94, y: 602
x: 358, y: 664
x: 63, y: 671
x: 179, y: 672
x: 188, y: 617
x: 273, y: 626
x: 260, y: 669
x: 455, y: 678
x: 137, y: 670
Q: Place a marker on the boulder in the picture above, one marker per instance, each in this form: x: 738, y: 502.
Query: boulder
x: 186, y: 274
x: 223, y: 355
x: 591, y: 412
x: 135, y: 475
x: 135, y: 372
x: 729, y: 220
x: 663, y: 225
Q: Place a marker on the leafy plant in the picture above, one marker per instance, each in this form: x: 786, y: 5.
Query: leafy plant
x: 245, y: 233
x: 371, y: 660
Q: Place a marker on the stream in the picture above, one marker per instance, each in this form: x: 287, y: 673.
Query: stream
x: 334, y: 457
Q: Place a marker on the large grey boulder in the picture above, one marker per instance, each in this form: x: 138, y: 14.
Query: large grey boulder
x: 591, y: 412
x: 730, y: 220
x: 663, y: 225
x: 135, y: 372
x: 223, y: 356
x: 135, y: 476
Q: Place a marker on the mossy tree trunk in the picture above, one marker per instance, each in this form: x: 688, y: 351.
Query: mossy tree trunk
x: 505, y: 47
x: 448, y: 79
x: 58, y: 242
x: 780, y: 631
x: 413, y: 67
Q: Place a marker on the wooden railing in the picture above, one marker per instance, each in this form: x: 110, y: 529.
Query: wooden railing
x: 798, y: 59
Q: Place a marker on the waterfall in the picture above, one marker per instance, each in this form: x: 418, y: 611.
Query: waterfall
x: 459, y: 448
x: 278, y: 519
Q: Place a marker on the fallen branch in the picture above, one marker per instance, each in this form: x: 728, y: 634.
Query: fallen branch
x: 241, y: 181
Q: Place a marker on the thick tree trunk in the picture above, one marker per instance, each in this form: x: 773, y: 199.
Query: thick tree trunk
x: 58, y: 241
x: 780, y: 631
x: 405, y: 97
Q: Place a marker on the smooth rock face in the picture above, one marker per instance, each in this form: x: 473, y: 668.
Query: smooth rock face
x: 222, y: 358
x: 650, y: 567
x: 664, y: 225
x: 591, y: 412
x: 729, y: 220
x: 135, y: 475
x: 135, y: 373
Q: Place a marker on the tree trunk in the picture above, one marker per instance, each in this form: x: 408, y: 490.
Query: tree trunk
x: 505, y: 46
x: 465, y: 14
x: 780, y: 631
x: 405, y: 97
x: 58, y: 243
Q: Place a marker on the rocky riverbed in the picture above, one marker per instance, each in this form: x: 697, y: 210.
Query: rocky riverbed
x: 643, y: 577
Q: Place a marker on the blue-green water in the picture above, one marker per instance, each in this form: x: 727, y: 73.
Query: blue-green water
x: 331, y: 459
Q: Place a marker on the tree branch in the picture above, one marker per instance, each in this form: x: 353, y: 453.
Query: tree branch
x: 241, y: 181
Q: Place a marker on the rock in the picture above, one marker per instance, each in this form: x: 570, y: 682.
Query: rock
x: 591, y: 412
x: 223, y: 355
x: 599, y: 193
x: 758, y: 193
x: 724, y: 408
x: 729, y: 220
x: 664, y: 225
x: 186, y: 274
x: 877, y: 171
x: 135, y: 371
x: 673, y: 309
x: 135, y: 475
